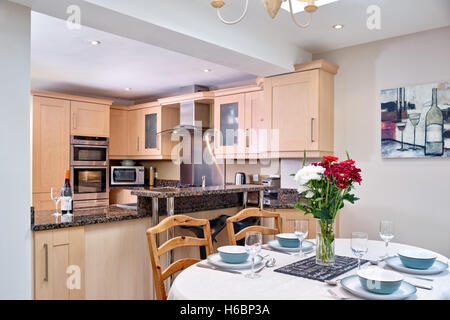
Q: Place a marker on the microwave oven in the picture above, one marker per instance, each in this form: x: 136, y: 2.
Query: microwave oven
x: 130, y: 176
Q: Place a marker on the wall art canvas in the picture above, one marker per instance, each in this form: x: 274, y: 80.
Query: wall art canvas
x: 415, y: 121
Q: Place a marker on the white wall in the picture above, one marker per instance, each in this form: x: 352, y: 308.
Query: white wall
x: 15, y: 162
x: 414, y: 193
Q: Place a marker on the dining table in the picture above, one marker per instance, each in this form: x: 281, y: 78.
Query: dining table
x: 197, y: 283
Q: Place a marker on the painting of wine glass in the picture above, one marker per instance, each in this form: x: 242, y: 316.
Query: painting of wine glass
x: 415, y: 121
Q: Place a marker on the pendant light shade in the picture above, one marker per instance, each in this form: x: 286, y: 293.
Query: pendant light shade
x: 272, y: 7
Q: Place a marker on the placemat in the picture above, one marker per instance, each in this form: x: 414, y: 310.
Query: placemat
x: 309, y: 269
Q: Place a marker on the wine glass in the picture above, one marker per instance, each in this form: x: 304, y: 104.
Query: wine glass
x: 253, y: 243
x: 386, y: 233
x: 401, y: 126
x: 301, y: 231
x: 415, y: 119
x: 56, y: 197
x: 359, y: 245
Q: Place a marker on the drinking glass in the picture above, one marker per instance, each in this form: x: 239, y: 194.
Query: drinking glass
x: 253, y: 243
x: 386, y: 233
x: 301, y: 231
x: 359, y: 245
x: 401, y: 126
x: 415, y: 119
x: 56, y: 197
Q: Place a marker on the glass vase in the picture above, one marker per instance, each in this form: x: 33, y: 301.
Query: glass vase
x: 325, y: 242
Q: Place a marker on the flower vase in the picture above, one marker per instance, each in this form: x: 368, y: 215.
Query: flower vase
x: 325, y: 242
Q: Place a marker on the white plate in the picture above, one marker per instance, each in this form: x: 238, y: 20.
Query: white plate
x: 307, y: 246
x: 396, y: 263
x: 215, y: 260
x: 352, y: 284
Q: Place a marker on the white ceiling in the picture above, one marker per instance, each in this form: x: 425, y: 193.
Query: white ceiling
x: 63, y: 60
x: 398, y: 17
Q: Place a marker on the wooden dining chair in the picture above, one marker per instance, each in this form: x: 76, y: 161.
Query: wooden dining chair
x: 250, y: 213
x: 181, y: 241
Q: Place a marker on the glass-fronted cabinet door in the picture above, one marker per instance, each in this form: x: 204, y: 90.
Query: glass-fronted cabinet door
x: 229, y: 124
x: 151, y: 140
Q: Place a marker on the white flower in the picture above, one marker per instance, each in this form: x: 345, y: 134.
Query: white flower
x: 302, y: 189
x: 309, y: 194
x: 308, y: 173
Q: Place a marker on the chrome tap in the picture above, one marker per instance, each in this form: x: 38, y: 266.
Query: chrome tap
x: 203, y: 181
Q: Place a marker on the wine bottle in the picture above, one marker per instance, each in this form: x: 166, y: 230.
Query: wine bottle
x: 434, y: 129
x: 66, y: 194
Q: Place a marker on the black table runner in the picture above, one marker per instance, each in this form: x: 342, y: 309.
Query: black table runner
x: 309, y: 269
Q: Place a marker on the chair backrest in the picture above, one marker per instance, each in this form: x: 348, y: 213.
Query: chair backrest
x: 160, y: 275
x: 248, y: 213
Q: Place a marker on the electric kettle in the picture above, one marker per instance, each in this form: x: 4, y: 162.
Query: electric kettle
x: 240, y: 178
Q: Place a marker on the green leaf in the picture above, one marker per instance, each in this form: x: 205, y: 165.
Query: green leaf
x: 304, y: 157
x: 324, y: 213
x: 348, y: 156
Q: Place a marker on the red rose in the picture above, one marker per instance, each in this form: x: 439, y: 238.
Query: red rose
x: 330, y: 159
x: 349, y: 162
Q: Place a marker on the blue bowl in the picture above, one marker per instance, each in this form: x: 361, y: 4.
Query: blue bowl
x: 417, y: 259
x: 380, y: 281
x: 233, y: 254
x: 288, y: 240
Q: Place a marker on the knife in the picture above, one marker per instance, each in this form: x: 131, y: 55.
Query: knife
x: 421, y: 286
x: 218, y: 269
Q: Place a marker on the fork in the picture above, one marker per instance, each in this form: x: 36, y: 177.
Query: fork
x: 337, y: 296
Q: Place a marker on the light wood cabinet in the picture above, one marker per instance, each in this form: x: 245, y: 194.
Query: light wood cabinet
x: 302, y: 110
x: 145, y: 122
x: 246, y: 119
x: 118, y: 141
x: 51, y: 143
x: 288, y: 216
x: 121, y: 196
x: 90, y: 119
x: 229, y: 122
x: 59, y: 264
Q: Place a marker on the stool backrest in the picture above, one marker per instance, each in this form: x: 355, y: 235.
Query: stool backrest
x: 248, y: 213
x: 160, y: 275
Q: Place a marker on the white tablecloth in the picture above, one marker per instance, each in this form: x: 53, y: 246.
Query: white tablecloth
x: 202, y: 284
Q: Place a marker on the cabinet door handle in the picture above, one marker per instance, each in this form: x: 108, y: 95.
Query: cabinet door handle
x: 312, y: 130
x: 137, y: 143
x: 46, y: 262
x: 247, y: 138
x: 74, y: 120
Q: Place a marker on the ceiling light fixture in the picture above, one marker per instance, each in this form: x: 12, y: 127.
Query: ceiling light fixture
x: 207, y: 70
x: 272, y: 7
x: 95, y: 42
x: 127, y: 89
x: 338, y: 26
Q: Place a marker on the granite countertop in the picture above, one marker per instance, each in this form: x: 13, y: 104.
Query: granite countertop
x: 44, y: 220
x: 168, y: 192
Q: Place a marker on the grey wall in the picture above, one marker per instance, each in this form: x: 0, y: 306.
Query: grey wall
x: 15, y: 160
x: 414, y: 193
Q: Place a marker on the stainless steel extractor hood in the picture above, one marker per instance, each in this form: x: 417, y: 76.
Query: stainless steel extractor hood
x: 195, y: 121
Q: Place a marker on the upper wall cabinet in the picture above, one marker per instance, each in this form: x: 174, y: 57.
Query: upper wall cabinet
x: 302, y: 107
x: 89, y: 119
x: 143, y: 124
x: 118, y: 140
x: 243, y: 120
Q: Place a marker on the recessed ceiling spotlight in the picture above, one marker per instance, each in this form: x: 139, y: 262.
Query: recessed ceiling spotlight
x: 127, y: 89
x: 95, y: 42
x: 338, y: 26
x: 207, y: 70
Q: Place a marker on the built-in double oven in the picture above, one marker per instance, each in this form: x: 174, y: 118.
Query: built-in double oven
x: 89, y: 171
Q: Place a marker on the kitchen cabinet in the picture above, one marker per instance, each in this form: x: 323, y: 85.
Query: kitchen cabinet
x: 145, y: 122
x: 229, y: 122
x: 302, y: 108
x: 118, y: 141
x: 53, y: 124
x: 59, y: 264
x: 243, y: 120
x: 288, y: 216
x: 51, y: 143
x: 89, y: 119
